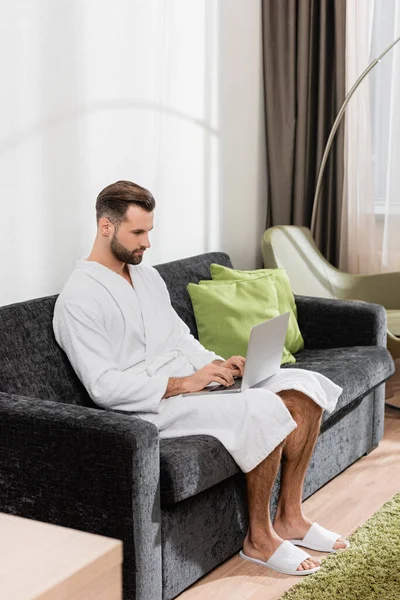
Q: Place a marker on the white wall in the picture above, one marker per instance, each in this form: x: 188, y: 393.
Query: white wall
x: 167, y: 93
x: 243, y: 162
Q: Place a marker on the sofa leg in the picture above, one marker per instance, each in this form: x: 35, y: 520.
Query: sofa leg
x: 392, y: 390
x: 371, y: 449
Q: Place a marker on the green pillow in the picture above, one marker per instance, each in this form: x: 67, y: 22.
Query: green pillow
x: 294, y: 340
x: 226, y: 311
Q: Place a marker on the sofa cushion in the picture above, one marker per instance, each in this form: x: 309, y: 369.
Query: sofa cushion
x: 226, y: 311
x: 191, y: 464
x: 195, y: 463
x: 286, y: 303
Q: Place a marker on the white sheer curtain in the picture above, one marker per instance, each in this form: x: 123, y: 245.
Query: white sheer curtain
x: 168, y: 93
x: 371, y: 196
x: 93, y: 92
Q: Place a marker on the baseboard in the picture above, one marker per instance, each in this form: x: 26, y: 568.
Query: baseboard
x: 393, y: 402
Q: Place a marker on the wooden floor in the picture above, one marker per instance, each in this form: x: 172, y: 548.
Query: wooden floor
x: 343, y: 504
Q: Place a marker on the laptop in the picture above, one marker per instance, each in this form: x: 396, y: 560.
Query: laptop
x: 264, y: 355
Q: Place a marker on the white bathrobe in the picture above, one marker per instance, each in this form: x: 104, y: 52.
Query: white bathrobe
x: 124, y: 343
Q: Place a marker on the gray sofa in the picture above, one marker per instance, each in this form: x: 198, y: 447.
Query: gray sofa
x: 178, y: 505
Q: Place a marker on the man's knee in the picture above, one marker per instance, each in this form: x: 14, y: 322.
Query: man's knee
x: 299, y: 404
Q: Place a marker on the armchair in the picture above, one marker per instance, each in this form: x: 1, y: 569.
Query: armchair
x: 310, y: 274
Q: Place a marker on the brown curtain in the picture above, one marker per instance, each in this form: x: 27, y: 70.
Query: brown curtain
x: 304, y: 83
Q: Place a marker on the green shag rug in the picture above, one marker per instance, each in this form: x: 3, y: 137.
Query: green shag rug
x: 368, y: 570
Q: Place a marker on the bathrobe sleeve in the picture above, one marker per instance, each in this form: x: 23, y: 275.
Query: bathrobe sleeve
x: 83, y: 337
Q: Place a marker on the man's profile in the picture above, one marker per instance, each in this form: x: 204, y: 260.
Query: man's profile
x: 132, y: 352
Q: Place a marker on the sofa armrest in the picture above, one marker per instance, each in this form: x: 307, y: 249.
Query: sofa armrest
x: 326, y: 323
x: 89, y: 469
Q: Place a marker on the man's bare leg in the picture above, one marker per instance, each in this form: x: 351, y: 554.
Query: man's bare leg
x: 290, y: 521
x: 261, y: 540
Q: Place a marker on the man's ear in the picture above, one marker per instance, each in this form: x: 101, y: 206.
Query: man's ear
x: 106, y: 228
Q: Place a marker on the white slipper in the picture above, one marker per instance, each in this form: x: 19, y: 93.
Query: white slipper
x: 286, y: 559
x: 320, y: 539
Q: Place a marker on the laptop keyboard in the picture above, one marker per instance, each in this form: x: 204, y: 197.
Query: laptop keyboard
x: 234, y: 386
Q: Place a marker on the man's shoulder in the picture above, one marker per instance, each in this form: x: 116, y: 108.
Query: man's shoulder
x: 80, y: 289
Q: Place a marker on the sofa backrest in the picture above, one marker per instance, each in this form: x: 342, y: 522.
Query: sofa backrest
x: 31, y: 362
x: 33, y: 365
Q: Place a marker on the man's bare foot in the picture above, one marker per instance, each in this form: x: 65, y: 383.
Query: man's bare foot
x: 296, y: 529
x: 263, y: 550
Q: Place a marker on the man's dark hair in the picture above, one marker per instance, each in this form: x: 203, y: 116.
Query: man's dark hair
x: 115, y: 199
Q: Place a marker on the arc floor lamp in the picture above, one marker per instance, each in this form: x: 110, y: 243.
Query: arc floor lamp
x: 334, y: 129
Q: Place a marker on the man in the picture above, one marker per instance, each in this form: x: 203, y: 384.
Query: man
x: 132, y: 352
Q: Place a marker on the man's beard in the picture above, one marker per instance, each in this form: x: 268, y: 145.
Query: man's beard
x: 123, y: 254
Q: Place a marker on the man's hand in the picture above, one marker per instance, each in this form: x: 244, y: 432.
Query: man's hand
x: 208, y: 374
x: 199, y: 380
x: 234, y: 363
